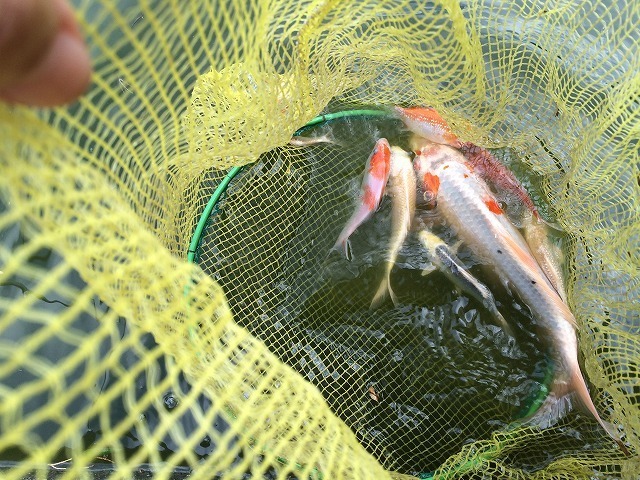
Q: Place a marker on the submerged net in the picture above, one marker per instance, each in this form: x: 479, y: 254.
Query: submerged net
x: 262, y: 358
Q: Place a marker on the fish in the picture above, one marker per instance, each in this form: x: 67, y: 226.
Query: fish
x: 402, y: 189
x: 448, y: 263
x: 376, y: 175
x: 536, y: 230
x: 427, y: 123
x: 298, y: 141
x: 487, y: 166
x: 470, y: 208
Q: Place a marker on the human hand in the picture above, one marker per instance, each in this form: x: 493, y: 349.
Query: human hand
x: 43, y: 58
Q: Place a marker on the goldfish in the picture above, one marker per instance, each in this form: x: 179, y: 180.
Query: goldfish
x: 536, y: 230
x: 427, y: 123
x: 448, y: 263
x: 376, y: 175
x: 468, y: 205
x: 402, y: 189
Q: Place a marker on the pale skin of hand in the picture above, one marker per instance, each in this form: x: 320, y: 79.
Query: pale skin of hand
x: 44, y: 60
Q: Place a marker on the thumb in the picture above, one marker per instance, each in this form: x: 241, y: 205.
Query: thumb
x: 27, y: 27
x: 43, y: 59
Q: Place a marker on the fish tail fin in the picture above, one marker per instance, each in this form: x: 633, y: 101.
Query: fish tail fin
x: 560, y: 402
x: 331, y: 138
x: 583, y: 400
x: 383, y: 290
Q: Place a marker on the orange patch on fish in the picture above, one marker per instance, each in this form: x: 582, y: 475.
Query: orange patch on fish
x: 380, y: 161
x: 493, y: 206
x: 431, y: 183
x: 430, y: 117
x: 369, y: 198
x: 428, y: 150
x: 424, y: 114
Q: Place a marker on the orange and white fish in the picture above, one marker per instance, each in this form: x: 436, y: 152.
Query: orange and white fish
x: 402, y: 189
x: 427, y: 123
x: 536, y: 232
x: 375, y: 178
x: 468, y: 205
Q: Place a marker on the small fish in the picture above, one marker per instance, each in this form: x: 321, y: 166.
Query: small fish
x: 427, y: 123
x: 375, y: 178
x: 547, y: 253
x: 487, y: 166
x: 297, y: 141
x: 402, y: 188
x: 468, y: 205
x: 448, y: 263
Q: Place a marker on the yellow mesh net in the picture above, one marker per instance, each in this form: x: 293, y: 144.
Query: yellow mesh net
x: 118, y: 355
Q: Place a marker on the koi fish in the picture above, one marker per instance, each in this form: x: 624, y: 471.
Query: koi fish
x: 468, y: 205
x: 402, y: 188
x: 448, y: 263
x: 375, y: 178
x: 427, y: 123
x: 487, y: 166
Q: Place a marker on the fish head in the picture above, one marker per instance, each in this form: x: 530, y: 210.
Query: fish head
x: 400, y: 161
x: 430, y: 241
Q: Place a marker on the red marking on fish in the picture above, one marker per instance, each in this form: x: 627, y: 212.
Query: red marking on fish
x: 380, y: 161
x: 494, y: 172
x: 431, y: 184
x: 369, y: 198
x: 493, y: 206
x: 465, y: 175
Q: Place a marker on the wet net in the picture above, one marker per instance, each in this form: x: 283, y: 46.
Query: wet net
x: 131, y: 346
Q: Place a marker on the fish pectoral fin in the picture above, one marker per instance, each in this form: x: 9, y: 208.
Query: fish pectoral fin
x: 553, y: 409
x: 348, y: 252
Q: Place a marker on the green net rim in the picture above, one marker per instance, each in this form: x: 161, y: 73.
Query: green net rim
x: 198, y: 232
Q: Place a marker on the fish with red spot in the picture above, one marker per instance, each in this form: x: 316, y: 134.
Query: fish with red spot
x: 536, y: 231
x: 427, y: 124
x: 376, y: 175
x: 469, y: 207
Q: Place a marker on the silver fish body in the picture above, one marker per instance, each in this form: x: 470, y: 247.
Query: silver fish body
x: 468, y: 205
x: 402, y: 189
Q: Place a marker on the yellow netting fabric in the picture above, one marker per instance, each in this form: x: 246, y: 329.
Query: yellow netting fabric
x: 115, y: 352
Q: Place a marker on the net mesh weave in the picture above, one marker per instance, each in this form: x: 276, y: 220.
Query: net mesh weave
x: 144, y: 359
